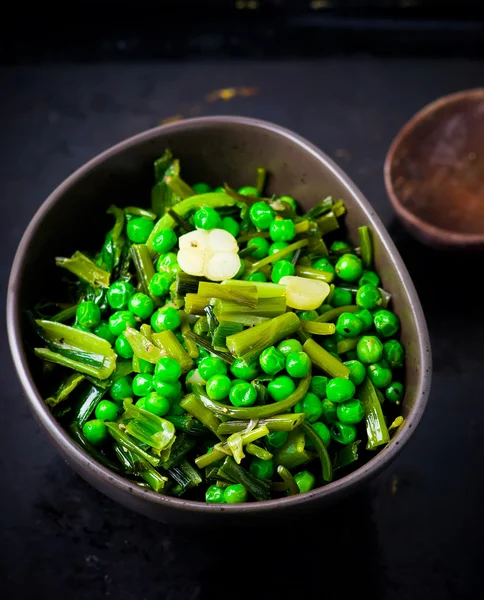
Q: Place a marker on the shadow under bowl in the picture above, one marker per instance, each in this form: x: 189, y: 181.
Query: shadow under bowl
x: 212, y: 149
x: 434, y: 172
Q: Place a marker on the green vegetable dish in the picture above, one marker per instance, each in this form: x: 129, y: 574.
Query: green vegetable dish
x: 222, y: 345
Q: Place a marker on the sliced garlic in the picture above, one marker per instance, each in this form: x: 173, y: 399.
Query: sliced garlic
x: 222, y: 265
x: 194, y: 240
x: 191, y: 261
x: 304, y: 294
x: 212, y: 253
x: 220, y: 240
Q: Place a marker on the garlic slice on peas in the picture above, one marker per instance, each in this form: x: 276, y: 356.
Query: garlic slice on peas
x: 222, y: 265
x: 212, y: 253
x: 303, y: 293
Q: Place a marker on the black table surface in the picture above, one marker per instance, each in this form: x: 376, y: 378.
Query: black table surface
x: 415, y: 532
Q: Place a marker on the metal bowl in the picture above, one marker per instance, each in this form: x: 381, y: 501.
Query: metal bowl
x: 434, y: 172
x: 213, y: 149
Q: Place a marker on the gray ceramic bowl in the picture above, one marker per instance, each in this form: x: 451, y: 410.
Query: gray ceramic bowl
x: 213, y: 149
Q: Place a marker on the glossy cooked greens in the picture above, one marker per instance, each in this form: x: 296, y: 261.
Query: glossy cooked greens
x: 223, y: 345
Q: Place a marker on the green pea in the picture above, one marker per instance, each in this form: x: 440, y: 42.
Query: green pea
x: 160, y: 284
x: 211, y: 366
x: 235, y: 494
x: 369, y: 277
x: 341, y: 297
x: 231, y: 226
x: 323, y: 264
x: 242, y: 371
x: 282, y: 230
x: 277, y: 247
x: 324, y: 308
x: 328, y: 411
x: 340, y: 389
x: 167, y: 390
x: 119, y: 320
x: 263, y: 469
x: 369, y: 296
x: 308, y: 315
x: 271, y: 360
x: 380, y: 374
x: 201, y: 188
x: 164, y: 319
x: 139, y: 229
x: 164, y: 241
x: 276, y: 439
x: 119, y: 293
x: 386, y: 323
x: 95, y: 431
x: 311, y: 406
x: 106, y: 411
x: 142, y: 384
x: 351, y: 412
x: 286, y: 347
x: 168, y: 369
x: 338, y: 246
x: 123, y: 347
x: 348, y: 325
x: 243, y: 394
x: 343, y: 433
x: 103, y: 331
x: 214, y: 495
x: 357, y: 371
x: 219, y: 190
x: 168, y: 263
x: 141, y: 305
x: 369, y: 349
x: 394, y: 353
x: 218, y: 387
x: 176, y: 409
x: 257, y: 276
x: 202, y: 353
x: 145, y: 367
x: 298, y: 364
x: 121, y: 389
x: 305, y: 481
x: 260, y: 247
x: 207, y: 218
x: 88, y: 314
x: 281, y: 387
x: 322, y: 430
x: 394, y: 392
x: 366, y: 319
x: 349, y: 267
x: 157, y: 404
x: 281, y: 268
x: 141, y: 403
x: 329, y: 343
x: 318, y: 385
x: 261, y: 215
x: 248, y: 190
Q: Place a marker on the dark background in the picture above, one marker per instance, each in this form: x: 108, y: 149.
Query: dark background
x: 347, y: 80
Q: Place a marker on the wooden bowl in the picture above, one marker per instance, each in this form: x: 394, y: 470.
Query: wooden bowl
x: 434, y: 172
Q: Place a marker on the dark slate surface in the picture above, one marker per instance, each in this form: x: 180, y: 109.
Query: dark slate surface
x: 415, y: 532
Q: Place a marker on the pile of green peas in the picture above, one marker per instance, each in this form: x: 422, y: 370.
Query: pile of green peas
x: 331, y: 405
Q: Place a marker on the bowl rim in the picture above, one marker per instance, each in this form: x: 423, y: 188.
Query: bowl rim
x: 445, y: 236
x: 69, y: 448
